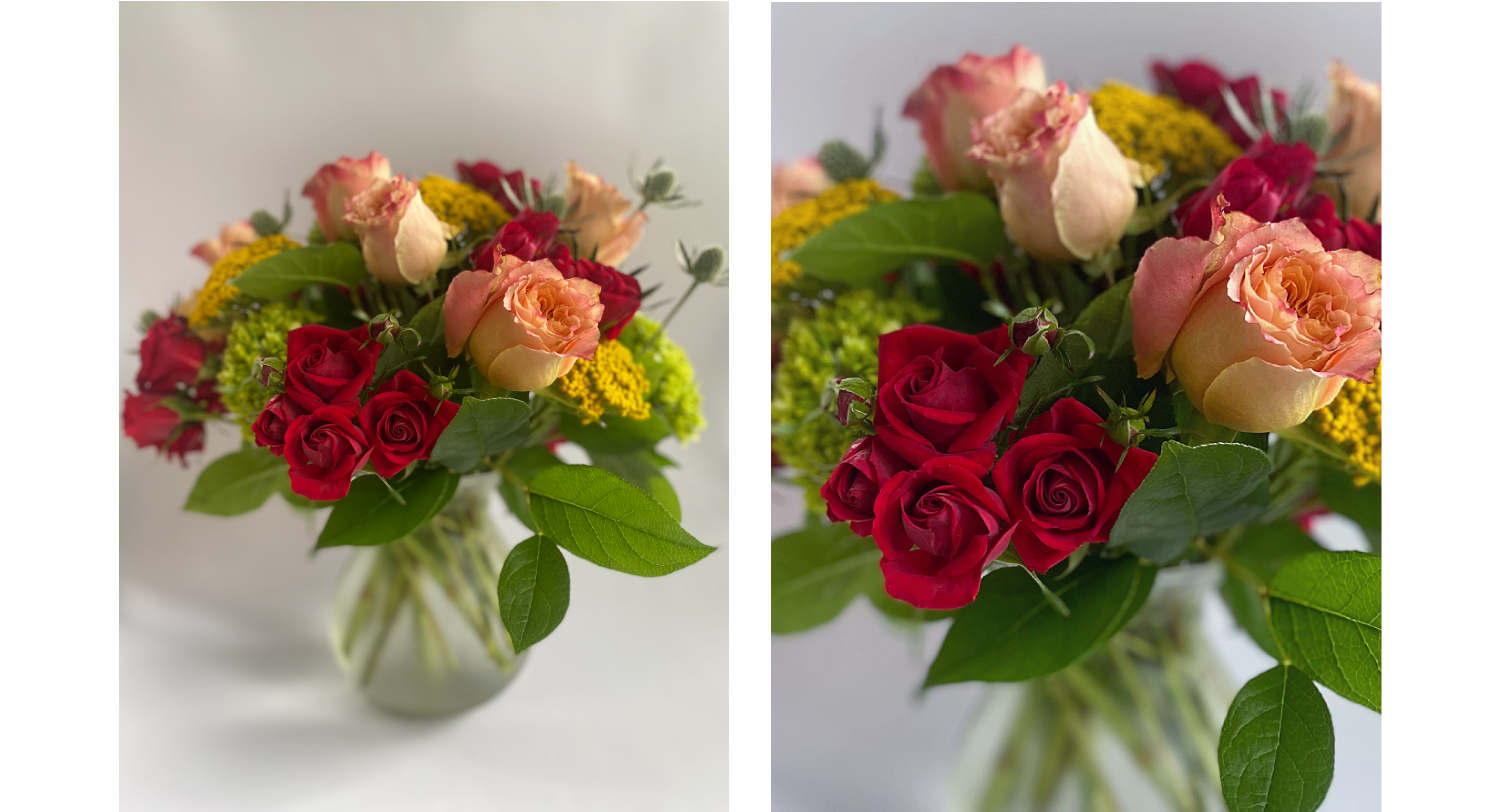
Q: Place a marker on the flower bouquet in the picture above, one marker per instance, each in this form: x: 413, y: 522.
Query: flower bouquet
x: 412, y: 362
x: 1115, y: 350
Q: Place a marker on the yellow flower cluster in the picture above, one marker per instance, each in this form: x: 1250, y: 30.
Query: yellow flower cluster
x: 462, y: 206
x: 794, y: 226
x: 1352, y: 421
x: 217, y: 291
x: 1157, y: 130
x: 612, y: 382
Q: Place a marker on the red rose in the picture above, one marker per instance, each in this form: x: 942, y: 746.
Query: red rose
x: 492, y: 179
x: 937, y: 528
x: 1267, y: 183
x: 943, y: 392
x: 851, y: 490
x: 620, y: 293
x: 1060, y: 485
x: 1322, y: 218
x: 271, y: 424
x: 403, y: 422
x: 323, y: 449
x: 1201, y: 85
x: 328, y: 366
x: 528, y: 237
x: 1362, y: 237
x: 170, y: 356
x: 151, y: 423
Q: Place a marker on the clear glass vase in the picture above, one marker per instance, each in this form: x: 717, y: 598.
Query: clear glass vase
x: 416, y: 623
x: 1133, y: 727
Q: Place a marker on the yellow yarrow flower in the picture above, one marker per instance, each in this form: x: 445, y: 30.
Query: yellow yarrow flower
x: 1352, y: 421
x: 462, y: 206
x: 218, y: 292
x: 1157, y: 130
x: 612, y: 382
x: 794, y: 226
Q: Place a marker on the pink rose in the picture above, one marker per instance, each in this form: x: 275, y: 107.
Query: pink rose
x: 1261, y: 324
x: 231, y: 238
x: 402, y: 240
x: 795, y: 182
x: 1356, y: 106
x: 335, y: 183
x: 603, y: 228
x: 954, y: 97
x: 524, y: 324
x: 1065, y: 189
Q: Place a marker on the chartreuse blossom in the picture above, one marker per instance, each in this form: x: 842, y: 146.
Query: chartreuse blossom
x: 218, y: 291
x: 261, y: 334
x: 612, y: 382
x: 841, y: 339
x: 794, y: 226
x: 1352, y: 421
x: 462, y: 206
x: 1157, y: 130
x: 674, y: 387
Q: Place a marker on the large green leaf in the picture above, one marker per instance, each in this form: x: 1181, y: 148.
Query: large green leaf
x: 482, y: 428
x: 1106, y: 321
x: 1360, y: 503
x: 859, y: 250
x: 278, y: 277
x: 428, y: 322
x: 1276, y: 748
x: 237, y: 483
x: 533, y: 591
x: 1325, y: 612
x: 639, y: 469
x: 599, y: 517
x: 1190, y: 493
x: 617, y: 435
x: 816, y: 572
x: 523, y: 465
x: 1261, y: 551
x: 372, y: 514
x: 1012, y: 633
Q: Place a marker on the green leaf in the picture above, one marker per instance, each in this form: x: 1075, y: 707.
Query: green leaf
x: 371, y: 514
x: 1262, y: 550
x: 1106, y: 321
x: 599, y: 517
x: 638, y: 469
x: 816, y: 572
x: 278, y: 277
x: 482, y: 428
x: 617, y: 435
x: 1359, y: 503
x: 533, y: 591
x: 1190, y: 493
x: 1012, y: 633
x: 859, y: 250
x: 237, y: 483
x: 1325, y: 612
x: 1276, y: 748
x: 428, y: 322
x: 525, y: 464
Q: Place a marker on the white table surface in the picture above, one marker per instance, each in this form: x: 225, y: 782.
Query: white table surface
x: 229, y: 696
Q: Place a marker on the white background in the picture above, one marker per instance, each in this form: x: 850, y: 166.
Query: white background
x: 229, y: 697
x: 847, y: 730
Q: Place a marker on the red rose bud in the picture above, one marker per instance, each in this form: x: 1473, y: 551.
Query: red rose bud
x: 495, y: 182
x: 271, y: 424
x: 842, y: 395
x: 855, y: 482
x: 402, y: 422
x: 1034, y: 330
x: 269, y: 371
x: 323, y: 450
x: 384, y: 328
x: 150, y: 422
x: 620, y: 293
x: 171, y: 356
x: 328, y: 366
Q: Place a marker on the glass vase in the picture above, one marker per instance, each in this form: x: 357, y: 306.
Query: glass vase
x: 1132, y: 727
x: 416, y: 622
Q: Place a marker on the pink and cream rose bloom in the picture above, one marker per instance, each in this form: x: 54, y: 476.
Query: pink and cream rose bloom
x: 795, y: 182
x: 1355, y: 106
x: 1066, y: 191
x: 402, y: 240
x: 603, y: 227
x: 954, y: 97
x: 1260, y: 324
x: 231, y: 238
x: 334, y: 184
x: 524, y: 324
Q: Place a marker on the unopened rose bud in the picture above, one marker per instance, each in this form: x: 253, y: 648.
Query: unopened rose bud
x: 1034, y: 330
x: 852, y: 400
x: 440, y: 388
x: 384, y: 328
x: 1123, y: 430
x: 269, y: 371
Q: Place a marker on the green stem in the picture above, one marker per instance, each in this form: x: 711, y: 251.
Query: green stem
x: 394, y: 599
x: 1192, y: 719
x: 1100, y: 797
x: 662, y: 328
x: 1177, y: 786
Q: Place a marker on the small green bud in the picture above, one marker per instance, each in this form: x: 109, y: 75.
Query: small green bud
x: 843, y: 162
x: 557, y: 204
x: 384, y: 328
x: 264, y: 223
x: 1034, y: 330
x: 661, y: 184
x: 440, y: 387
x: 710, y: 266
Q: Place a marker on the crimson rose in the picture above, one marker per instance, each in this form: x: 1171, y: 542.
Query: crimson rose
x: 851, y: 490
x: 1201, y: 85
x: 492, y: 180
x: 150, y: 422
x: 937, y: 528
x: 1060, y: 485
x: 403, y: 422
x: 943, y: 392
x: 528, y: 237
x: 620, y: 293
x: 1267, y: 183
x: 271, y: 424
x: 170, y: 355
x: 323, y: 449
x: 326, y: 366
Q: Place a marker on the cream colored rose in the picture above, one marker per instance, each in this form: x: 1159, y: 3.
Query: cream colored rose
x: 402, y: 240
x: 599, y: 218
x: 1355, y: 106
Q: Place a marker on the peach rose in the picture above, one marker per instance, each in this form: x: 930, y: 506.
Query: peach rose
x: 1356, y: 105
x: 231, y: 238
x: 336, y: 183
x: 1261, y: 325
x: 603, y: 229
x: 795, y: 182
x: 524, y: 324
x: 954, y: 97
x: 1065, y: 189
x: 402, y: 240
